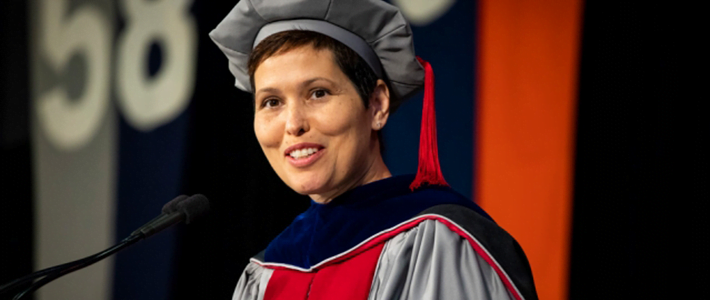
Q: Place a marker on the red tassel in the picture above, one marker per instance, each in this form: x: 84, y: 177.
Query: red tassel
x: 429, y: 171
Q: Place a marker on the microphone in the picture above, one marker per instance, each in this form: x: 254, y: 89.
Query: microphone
x: 182, y: 208
x: 175, y: 211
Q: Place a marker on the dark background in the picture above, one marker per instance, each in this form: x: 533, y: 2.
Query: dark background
x: 640, y: 169
x: 16, y: 224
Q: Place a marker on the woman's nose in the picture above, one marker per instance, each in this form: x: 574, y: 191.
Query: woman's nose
x: 297, y: 123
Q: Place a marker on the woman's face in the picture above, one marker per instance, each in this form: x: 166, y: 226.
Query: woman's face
x: 313, y: 126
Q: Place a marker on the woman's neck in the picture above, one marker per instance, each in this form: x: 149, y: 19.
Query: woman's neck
x: 377, y: 171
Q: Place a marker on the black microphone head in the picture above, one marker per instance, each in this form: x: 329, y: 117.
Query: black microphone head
x: 172, y: 206
x: 194, y: 207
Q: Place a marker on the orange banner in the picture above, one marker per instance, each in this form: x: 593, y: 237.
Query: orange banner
x: 527, y: 95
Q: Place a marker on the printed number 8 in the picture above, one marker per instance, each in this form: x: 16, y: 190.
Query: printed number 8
x: 148, y: 102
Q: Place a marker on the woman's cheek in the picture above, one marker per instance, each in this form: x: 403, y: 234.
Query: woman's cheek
x: 336, y: 120
x: 267, y: 132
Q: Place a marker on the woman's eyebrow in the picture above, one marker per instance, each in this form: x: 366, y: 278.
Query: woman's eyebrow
x: 268, y: 90
x: 312, y: 80
x: 274, y: 90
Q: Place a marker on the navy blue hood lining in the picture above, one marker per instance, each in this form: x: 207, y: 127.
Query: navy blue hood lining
x: 326, y: 230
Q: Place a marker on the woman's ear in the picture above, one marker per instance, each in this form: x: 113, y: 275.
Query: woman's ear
x: 380, y: 105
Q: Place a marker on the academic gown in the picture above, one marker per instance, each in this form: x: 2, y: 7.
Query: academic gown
x: 384, y: 241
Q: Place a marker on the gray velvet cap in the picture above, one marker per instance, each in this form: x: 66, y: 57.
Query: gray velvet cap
x: 374, y: 29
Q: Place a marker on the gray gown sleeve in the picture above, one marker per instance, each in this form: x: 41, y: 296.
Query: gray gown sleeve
x: 430, y: 262
x: 252, y: 283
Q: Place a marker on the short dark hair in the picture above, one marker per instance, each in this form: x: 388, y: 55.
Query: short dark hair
x: 351, y: 64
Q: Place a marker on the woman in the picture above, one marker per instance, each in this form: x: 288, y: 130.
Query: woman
x: 325, y: 77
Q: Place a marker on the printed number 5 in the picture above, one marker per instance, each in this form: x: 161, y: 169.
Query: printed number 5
x: 70, y: 124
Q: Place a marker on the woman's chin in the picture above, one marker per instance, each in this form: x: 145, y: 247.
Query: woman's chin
x: 308, y: 186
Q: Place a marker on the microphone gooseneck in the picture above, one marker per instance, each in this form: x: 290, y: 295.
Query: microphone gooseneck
x: 182, y: 208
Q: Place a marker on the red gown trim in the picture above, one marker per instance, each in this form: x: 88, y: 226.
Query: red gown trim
x: 349, y: 275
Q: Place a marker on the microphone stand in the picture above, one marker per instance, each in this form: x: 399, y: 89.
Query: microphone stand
x: 64, y: 269
x: 180, y: 209
x: 12, y: 284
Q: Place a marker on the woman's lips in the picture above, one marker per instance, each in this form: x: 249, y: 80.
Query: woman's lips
x: 302, y: 159
x: 305, y: 161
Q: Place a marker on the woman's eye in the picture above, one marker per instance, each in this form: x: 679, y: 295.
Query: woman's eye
x: 319, y: 93
x: 270, y: 103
